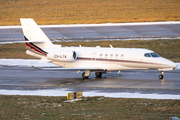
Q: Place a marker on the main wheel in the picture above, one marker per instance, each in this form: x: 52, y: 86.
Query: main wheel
x: 84, y: 76
x: 160, y: 76
x: 98, y: 74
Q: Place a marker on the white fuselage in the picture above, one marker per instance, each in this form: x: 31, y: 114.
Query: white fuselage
x: 111, y: 59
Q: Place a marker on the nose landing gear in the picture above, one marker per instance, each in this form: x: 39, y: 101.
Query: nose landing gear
x: 161, y: 75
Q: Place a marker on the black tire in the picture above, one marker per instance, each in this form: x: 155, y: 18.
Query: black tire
x: 98, y: 74
x: 84, y: 76
x: 160, y: 76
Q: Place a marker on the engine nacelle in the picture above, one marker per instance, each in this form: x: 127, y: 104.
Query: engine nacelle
x: 66, y: 56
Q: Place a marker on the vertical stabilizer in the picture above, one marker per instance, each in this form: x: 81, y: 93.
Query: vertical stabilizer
x: 34, y: 34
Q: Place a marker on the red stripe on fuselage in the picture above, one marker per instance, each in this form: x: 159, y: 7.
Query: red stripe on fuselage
x: 34, y: 48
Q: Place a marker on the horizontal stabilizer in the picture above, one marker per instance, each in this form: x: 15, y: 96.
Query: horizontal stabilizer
x: 22, y: 42
x: 44, y: 60
x: 38, y: 41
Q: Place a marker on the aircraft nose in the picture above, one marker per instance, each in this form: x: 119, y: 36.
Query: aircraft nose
x: 172, y: 65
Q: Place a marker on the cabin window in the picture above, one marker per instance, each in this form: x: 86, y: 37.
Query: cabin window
x: 154, y: 55
x: 100, y: 55
x: 117, y: 56
x: 147, y: 55
x: 106, y: 55
x: 111, y: 56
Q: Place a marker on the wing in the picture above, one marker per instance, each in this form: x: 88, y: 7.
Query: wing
x: 69, y: 69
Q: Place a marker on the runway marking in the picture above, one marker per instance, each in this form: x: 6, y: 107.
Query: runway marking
x: 62, y: 85
x: 85, y: 80
x: 77, y: 81
x: 69, y: 83
x: 116, y: 75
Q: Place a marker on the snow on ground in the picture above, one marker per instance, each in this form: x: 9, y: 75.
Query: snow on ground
x: 106, y: 24
x: 63, y: 92
x: 30, y: 62
x: 24, y: 63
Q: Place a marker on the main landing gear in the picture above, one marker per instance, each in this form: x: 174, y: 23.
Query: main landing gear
x: 161, y: 75
x: 86, y: 74
x: 98, y: 74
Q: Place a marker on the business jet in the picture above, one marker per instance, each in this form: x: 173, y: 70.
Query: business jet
x: 90, y: 59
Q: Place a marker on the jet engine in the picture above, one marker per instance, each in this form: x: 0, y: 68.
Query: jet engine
x: 65, y: 56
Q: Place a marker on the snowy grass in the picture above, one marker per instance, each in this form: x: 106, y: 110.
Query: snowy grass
x: 49, y: 107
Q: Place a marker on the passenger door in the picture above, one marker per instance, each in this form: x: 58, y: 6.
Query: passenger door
x: 93, y: 56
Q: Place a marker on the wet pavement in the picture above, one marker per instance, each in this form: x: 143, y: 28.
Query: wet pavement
x: 134, y: 79
x: 99, y: 32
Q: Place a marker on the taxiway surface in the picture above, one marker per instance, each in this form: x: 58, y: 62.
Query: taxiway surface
x: 24, y: 76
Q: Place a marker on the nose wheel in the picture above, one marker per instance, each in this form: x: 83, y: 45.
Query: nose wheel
x: 161, y: 75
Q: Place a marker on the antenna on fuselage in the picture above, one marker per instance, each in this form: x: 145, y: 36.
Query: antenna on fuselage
x: 111, y: 46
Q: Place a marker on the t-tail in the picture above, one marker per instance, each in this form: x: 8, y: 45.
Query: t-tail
x: 37, y: 41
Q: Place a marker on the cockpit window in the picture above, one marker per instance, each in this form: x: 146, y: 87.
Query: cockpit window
x: 147, y: 55
x: 151, y: 55
x: 154, y: 55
